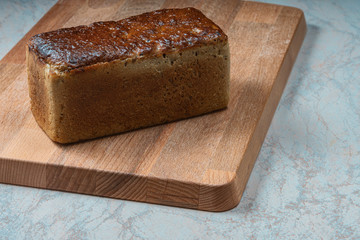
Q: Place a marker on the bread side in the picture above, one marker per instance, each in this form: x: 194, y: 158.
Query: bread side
x: 41, y: 99
x: 118, y: 96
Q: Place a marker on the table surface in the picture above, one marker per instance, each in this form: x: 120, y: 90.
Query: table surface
x: 305, y: 183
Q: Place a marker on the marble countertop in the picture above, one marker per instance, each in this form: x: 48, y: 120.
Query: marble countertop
x: 305, y: 183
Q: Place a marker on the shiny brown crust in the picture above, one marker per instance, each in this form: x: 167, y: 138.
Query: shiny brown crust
x: 146, y: 35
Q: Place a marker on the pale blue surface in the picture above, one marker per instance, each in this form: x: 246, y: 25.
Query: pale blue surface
x: 305, y: 183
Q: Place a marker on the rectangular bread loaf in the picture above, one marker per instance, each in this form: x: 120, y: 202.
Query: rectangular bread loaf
x: 110, y: 77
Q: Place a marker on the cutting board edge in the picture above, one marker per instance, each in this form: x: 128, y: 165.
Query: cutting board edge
x: 207, y: 197
x: 258, y: 136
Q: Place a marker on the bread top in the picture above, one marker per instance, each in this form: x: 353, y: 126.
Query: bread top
x: 142, y: 36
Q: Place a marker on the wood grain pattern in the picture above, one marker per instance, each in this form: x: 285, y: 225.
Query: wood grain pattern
x: 201, y: 163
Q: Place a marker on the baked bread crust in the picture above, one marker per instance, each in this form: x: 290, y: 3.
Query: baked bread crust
x: 147, y: 35
x: 161, y: 74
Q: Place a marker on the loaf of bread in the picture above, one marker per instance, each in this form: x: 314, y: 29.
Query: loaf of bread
x: 110, y: 77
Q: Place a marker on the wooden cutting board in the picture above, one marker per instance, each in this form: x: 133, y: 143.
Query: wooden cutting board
x: 203, y: 162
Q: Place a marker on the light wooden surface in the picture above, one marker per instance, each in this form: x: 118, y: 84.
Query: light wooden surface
x: 203, y: 162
